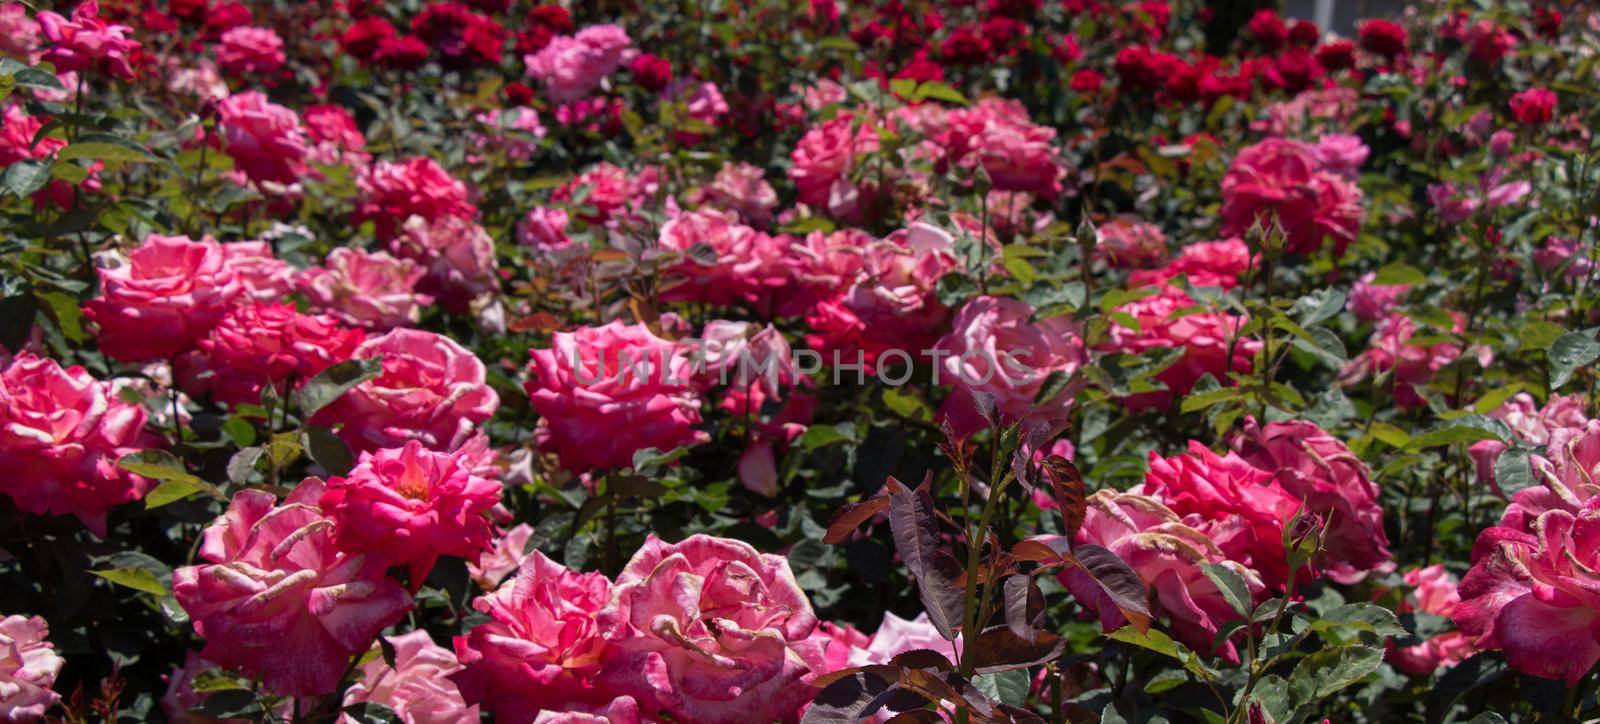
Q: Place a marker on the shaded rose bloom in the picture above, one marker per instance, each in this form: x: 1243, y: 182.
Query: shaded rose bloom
x: 995, y: 347
x: 264, y: 139
x: 394, y: 191
x: 743, y: 189
x: 822, y: 161
x: 709, y: 630
x: 1167, y: 553
x: 741, y: 264
x: 1531, y: 425
x: 544, y: 228
x: 1371, y: 302
x: 1563, y: 254
x: 278, y: 600
x: 514, y: 131
x: 432, y: 390
x: 372, y: 290
x: 335, y: 139
x: 85, y: 42
x: 1206, y: 338
x: 1315, y: 467
x: 775, y: 421
x: 458, y: 255
x: 258, y: 346
x: 1129, y: 242
x: 892, y: 303
x: 604, y: 393
x: 19, y: 34
x: 180, y: 696
x: 572, y: 66
x: 1017, y: 155
x: 839, y: 642
x: 542, y: 645
x: 1239, y: 506
x: 61, y: 434
x: 417, y: 688
x: 1534, y: 106
x: 1391, y: 349
x: 1341, y: 153
x: 1205, y: 264
x: 246, y: 50
x: 1433, y: 592
x: 29, y: 665
x: 409, y: 506
x: 1283, y: 182
x: 163, y: 298
x: 504, y: 556
x: 266, y: 278
x: 1531, y: 593
x: 1565, y: 477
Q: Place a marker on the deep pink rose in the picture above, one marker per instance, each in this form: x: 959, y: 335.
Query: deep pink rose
x: 542, y: 644
x: 19, y: 33
x: 1129, y: 242
x: 1205, y: 337
x: 544, y: 228
x: 409, y: 506
x: 893, y: 301
x: 163, y: 298
x: 248, y: 50
x: 417, y: 688
x: 458, y: 254
x: 257, y: 346
x: 1534, y: 106
x: 335, y: 139
x: 572, y: 66
x: 823, y: 266
x: 995, y: 347
x: 1563, y: 254
x: 741, y: 263
x: 1320, y: 471
x: 85, y: 42
x: 61, y: 434
x: 1433, y: 592
x: 1531, y: 425
x: 278, y: 600
x: 609, y: 190
x: 1565, y: 477
x: 710, y: 631
x: 1285, y: 181
x: 1341, y: 153
x: 1391, y: 349
x: 607, y: 392
x: 264, y: 139
x: 1371, y: 302
x: 431, y: 390
x: 1017, y: 155
x: 822, y: 160
x: 372, y: 290
x: 1205, y: 264
x: 393, y: 191
x: 1167, y: 554
x: 29, y: 665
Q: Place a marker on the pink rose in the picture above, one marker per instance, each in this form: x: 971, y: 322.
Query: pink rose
x: 1391, y: 349
x: 514, y: 132
x: 896, y: 636
x: 409, y: 506
x: 1205, y: 337
x: 774, y: 421
x: 740, y: 263
x: 417, y: 688
x: 247, y: 50
x: 1129, y: 242
x: 542, y: 644
x: 504, y: 556
x: 163, y: 298
x: 544, y: 228
x: 892, y: 303
x: 995, y: 347
x: 822, y: 161
x: 1319, y: 470
x: 278, y: 600
x: 61, y: 434
x: 570, y: 67
x: 372, y: 290
x: 710, y: 631
x: 393, y: 191
x: 1565, y: 477
x: 1167, y: 553
x: 1433, y: 592
x: 19, y: 34
x: 85, y: 42
x: 431, y: 390
x: 264, y: 139
x: 258, y: 346
x: 743, y: 189
x: 822, y: 266
x: 608, y: 190
x: 1016, y: 154
x: 1371, y: 302
x: 1284, y: 181
x: 335, y: 139
x: 607, y: 392
x: 1531, y: 425
x: 1553, y: 256
x: 266, y: 278
x: 458, y: 254
x: 29, y: 665
x: 1341, y: 153
x: 1204, y: 264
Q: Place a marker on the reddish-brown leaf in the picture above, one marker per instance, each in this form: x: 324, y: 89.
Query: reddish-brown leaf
x: 1000, y: 649
x: 1072, y: 498
x: 916, y: 538
x: 1120, y: 582
x: 851, y: 516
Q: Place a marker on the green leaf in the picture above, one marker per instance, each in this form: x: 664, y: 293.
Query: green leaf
x: 328, y: 450
x: 821, y: 435
x: 1399, y: 273
x: 1007, y: 687
x: 1327, y: 671
x: 23, y: 178
x: 1466, y: 429
x: 1513, y: 470
x: 240, y: 431
x: 137, y: 579
x: 1367, y: 617
x: 243, y: 463
x: 1571, y: 351
x: 1235, y: 590
x: 1202, y: 400
x: 906, y: 403
x: 334, y: 382
x: 172, y: 491
x: 67, y: 314
x: 157, y: 465
x: 105, y: 147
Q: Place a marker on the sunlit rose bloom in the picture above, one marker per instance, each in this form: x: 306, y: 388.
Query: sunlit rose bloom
x: 1205, y: 337
x: 458, y: 254
x: 1371, y: 302
x: 572, y: 66
x: 544, y: 228
x: 995, y: 347
x: 278, y: 600
x: 1433, y: 592
x: 896, y: 636
x: 1282, y: 183
x: 249, y: 50
x: 1205, y: 264
x: 1167, y: 553
x: 608, y: 191
x: 29, y: 665
x: 394, y: 191
x: 335, y: 139
x: 1130, y: 242
x: 1016, y: 154
x: 504, y: 556
x: 265, y: 139
x: 432, y: 390
x: 542, y: 645
x: 198, y: 77
x: 1391, y: 349
x: 823, y: 159
x: 266, y: 278
x: 822, y: 265
x: 372, y: 290
x: 19, y: 33
x: 893, y: 302
x: 163, y: 298
x: 710, y: 631
x: 743, y: 189
x: 85, y: 42
x: 417, y: 688
x: 741, y: 263
x: 260, y: 346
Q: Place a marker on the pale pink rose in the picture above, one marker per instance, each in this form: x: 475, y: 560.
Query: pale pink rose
x: 85, y: 42
x: 514, y: 131
x: 621, y: 710
x: 431, y: 390
x: 266, y: 278
x: 1311, y: 112
x: 1555, y: 254
x: 1333, y: 483
x: 1433, y: 592
x: 335, y: 139
x: 19, y: 33
x: 542, y: 645
x: 1391, y: 349
x: 822, y: 93
x: 1206, y: 338
x: 743, y: 189
x: 1129, y: 242
x: 605, y: 393
x: 61, y: 434
x: 417, y: 688
x: 740, y: 264
x: 372, y: 290
x: 823, y: 159
x: 544, y: 228
x: 741, y: 354
x: 1167, y: 553
x: 1205, y: 264
x: 29, y: 665
x: 504, y: 556
x: 1341, y: 153
x: 1496, y: 194
x: 572, y: 66
x: 1283, y: 182
x: 458, y: 254
x: 995, y: 347
x: 261, y: 346
x: 892, y: 303
x: 264, y: 139
x: 1371, y: 302
x: 1531, y: 593
x: 248, y: 50
x: 394, y: 191
x: 896, y: 636
x: 17, y: 144
x: 1016, y: 154
x: 197, y: 77
x: 278, y: 600
x: 822, y: 266
x: 163, y: 298
x: 710, y: 631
